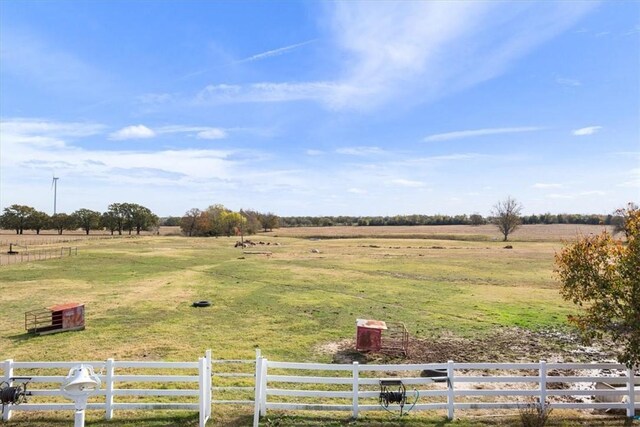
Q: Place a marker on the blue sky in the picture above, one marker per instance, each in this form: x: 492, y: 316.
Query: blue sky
x: 321, y: 108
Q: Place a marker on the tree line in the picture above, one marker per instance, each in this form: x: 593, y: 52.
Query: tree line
x: 119, y: 217
x: 216, y: 220
x: 417, y: 219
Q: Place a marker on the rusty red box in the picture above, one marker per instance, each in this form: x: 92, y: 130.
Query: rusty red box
x: 369, y: 334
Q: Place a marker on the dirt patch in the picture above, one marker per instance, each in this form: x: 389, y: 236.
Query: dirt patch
x: 501, y: 346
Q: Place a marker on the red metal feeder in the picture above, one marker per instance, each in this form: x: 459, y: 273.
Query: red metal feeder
x: 59, y: 318
x: 370, y: 337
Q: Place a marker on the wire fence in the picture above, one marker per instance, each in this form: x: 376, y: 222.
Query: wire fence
x: 37, y: 255
x: 36, y: 240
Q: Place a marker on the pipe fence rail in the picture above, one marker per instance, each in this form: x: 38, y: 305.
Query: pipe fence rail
x: 29, y: 255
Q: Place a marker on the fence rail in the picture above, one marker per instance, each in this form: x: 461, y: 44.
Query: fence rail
x: 329, y: 387
x: 48, y: 386
x: 48, y: 239
x: 466, y: 386
x: 28, y: 255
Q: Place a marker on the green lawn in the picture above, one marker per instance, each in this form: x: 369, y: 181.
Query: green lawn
x: 138, y: 295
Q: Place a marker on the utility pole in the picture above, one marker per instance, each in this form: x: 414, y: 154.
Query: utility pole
x: 54, y: 184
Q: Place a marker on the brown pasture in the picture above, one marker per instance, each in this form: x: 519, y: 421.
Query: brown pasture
x: 534, y: 232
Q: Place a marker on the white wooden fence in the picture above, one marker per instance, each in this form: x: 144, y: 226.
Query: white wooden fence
x: 331, y: 387
x: 467, y: 386
x: 42, y: 387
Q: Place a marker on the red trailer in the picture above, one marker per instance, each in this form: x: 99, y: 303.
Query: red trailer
x: 59, y: 318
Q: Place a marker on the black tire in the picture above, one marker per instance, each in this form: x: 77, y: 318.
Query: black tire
x: 203, y: 303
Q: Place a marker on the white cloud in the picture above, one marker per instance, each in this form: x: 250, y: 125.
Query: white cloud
x: 586, y: 193
x: 213, y: 133
x: 446, y: 157
x: 546, y: 185
x: 408, y: 183
x: 632, y: 179
x: 359, y: 151
x: 357, y: 191
x: 274, y: 52
x: 201, y: 132
x: 559, y: 196
x: 46, y: 133
x: 409, y: 52
x: 132, y: 132
x: 322, y: 91
x: 568, y: 82
x: 141, y: 131
x: 155, y: 98
x: 312, y: 152
x: 479, y: 132
x: 140, y: 167
x: 589, y: 130
x: 412, y: 50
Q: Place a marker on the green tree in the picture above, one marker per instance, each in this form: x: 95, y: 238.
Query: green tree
x: 141, y: 218
x: 215, y: 214
x: 87, y: 219
x: 476, y: 219
x: 118, y: 213
x: 170, y: 221
x: 37, y: 221
x: 16, y: 217
x: 232, y: 223
x: 270, y: 221
x: 62, y: 221
x: 602, y: 276
x: 619, y: 219
x: 109, y: 220
x: 252, y: 224
x: 506, y: 216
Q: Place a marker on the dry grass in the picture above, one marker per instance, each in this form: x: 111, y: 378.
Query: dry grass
x: 536, y: 232
x: 139, y: 292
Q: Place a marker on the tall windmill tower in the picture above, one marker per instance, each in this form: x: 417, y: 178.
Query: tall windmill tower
x: 54, y: 185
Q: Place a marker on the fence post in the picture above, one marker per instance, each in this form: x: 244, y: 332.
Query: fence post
x: 263, y: 388
x: 8, y: 374
x: 209, y: 377
x: 108, y: 398
x: 631, y: 408
x: 202, y: 371
x: 257, y: 396
x: 356, y: 388
x: 451, y: 392
x: 543, y: 385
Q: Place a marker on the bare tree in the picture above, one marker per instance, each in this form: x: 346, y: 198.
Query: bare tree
x: 506, y: 216
x: 189, y: 221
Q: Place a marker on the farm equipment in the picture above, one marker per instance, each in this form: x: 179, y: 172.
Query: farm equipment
x: 59, y: 318
x: 383, y: 337
x: 399, y: 396
x: 11, y: 394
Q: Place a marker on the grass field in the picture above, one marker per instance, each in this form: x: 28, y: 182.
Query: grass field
x: 290, y: 303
